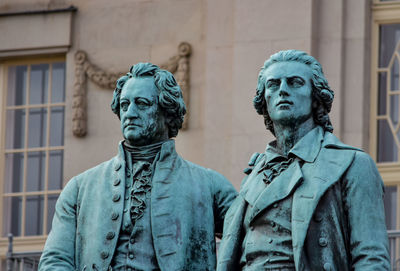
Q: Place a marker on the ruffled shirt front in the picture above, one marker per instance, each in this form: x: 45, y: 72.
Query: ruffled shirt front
x: 135, y: 249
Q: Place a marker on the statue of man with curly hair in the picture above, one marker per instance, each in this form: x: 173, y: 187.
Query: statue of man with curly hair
x: 146, y: 208
x: 309, y: 202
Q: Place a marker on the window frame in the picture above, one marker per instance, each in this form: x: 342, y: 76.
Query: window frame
x: 35, y: 242
x: 382, y: 13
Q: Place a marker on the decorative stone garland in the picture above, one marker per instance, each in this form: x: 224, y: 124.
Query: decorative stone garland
x: 178, y: 65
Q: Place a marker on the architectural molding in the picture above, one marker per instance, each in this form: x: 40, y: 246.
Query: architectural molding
x: 178, y: 65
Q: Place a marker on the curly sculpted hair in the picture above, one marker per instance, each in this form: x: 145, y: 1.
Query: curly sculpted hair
x: 322, y: 95
x: 170, y: 97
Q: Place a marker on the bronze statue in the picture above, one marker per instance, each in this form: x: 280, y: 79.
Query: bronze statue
x: 146, y: 208
x: 309, y: 202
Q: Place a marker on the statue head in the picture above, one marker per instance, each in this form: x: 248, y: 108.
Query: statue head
x: 149, y: 103
x: 321, y: 94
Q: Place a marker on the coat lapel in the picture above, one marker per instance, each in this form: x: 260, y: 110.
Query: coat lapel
x: 162, y: 209
x: 327, y: 169
x: 280, y: 188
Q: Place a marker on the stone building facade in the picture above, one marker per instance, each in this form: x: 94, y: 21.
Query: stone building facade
x: 59, y: 59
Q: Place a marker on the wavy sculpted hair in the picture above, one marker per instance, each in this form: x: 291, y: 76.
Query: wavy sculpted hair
x: 170, y: 97
x: 322, y: 95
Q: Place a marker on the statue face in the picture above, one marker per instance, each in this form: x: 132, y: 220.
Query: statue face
x: 288, y: 92
x: 142, y: 122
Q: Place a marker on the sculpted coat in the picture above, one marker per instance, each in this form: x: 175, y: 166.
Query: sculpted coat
x: 337, y: 213
x: 188, y: 205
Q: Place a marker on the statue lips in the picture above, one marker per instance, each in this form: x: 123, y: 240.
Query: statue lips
x: 283, y: 104
x: 131, y: 125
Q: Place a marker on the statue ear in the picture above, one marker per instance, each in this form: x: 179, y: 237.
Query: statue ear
x: 314, y: 104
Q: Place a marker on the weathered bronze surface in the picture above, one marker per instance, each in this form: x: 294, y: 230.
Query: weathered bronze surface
x: 309, y: 202
x: 146, y: 208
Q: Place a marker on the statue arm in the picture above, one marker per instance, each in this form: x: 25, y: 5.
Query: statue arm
x: 224, y: 194
x: 59, y: 250
x: 363, y: 202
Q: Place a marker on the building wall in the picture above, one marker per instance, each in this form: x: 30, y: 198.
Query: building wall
x: 230, y: 41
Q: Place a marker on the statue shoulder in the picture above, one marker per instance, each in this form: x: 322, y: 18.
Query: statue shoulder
x: 332, y: 142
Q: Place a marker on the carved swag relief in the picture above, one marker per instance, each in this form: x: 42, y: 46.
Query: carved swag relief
x: 178, y: 65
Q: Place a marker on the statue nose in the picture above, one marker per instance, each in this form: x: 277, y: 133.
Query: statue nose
x: 132, y: 111
x: 283, y: 88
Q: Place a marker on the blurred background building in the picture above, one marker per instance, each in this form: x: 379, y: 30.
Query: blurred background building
x: 59, y: 60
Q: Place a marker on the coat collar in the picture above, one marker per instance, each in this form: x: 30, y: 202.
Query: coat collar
x: 307, y: 148
x: 167, y: 151
x: 256, y: 193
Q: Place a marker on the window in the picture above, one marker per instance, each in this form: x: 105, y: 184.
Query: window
x: 385, y: 112
x: 33, y: 145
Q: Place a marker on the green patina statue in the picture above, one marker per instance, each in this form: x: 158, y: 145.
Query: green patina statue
x: 309, y: 202
x: 146, y: 208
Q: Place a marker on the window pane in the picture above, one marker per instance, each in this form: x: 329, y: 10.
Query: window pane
x: 13, y: 172
x: 390, y: 201
x: 57, y: 126
x: 37, y: 127
x: 394, y: 109
x: 39, y: 84
x: 56, y: 161
x: 387, y: 149
x: 389, y: 36
x: 382, y: 93
x: 394, y: 79
x: 12, y: 215
x: 50, y: 210
x: 35, y: 171
x: 34, y: 215
x: 15, y: 129
x: 58, y: 83
x: 16, y: 85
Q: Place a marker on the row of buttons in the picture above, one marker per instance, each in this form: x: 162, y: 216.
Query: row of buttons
x: 114, y: 215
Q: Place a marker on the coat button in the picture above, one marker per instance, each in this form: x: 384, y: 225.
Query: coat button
x: 327, y: 267
x: 116, y: 197
x: 317, y: 217
x: 114, y: 216
x: 104, y: 255
x: 117, y: 182
x: 323, y: 242
x: 117, y: 166
x: 131, y: 256
x: 110, y: 235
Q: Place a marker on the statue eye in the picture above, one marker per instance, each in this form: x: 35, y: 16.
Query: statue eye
x: 296, y: 82
x: 272, y: 83
x: 143, y: 102
x: 124, y: 105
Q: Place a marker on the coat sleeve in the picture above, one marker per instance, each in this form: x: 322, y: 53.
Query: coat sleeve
x: 59, y: 250
x: 363, y: 204
x: 224, y: 194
